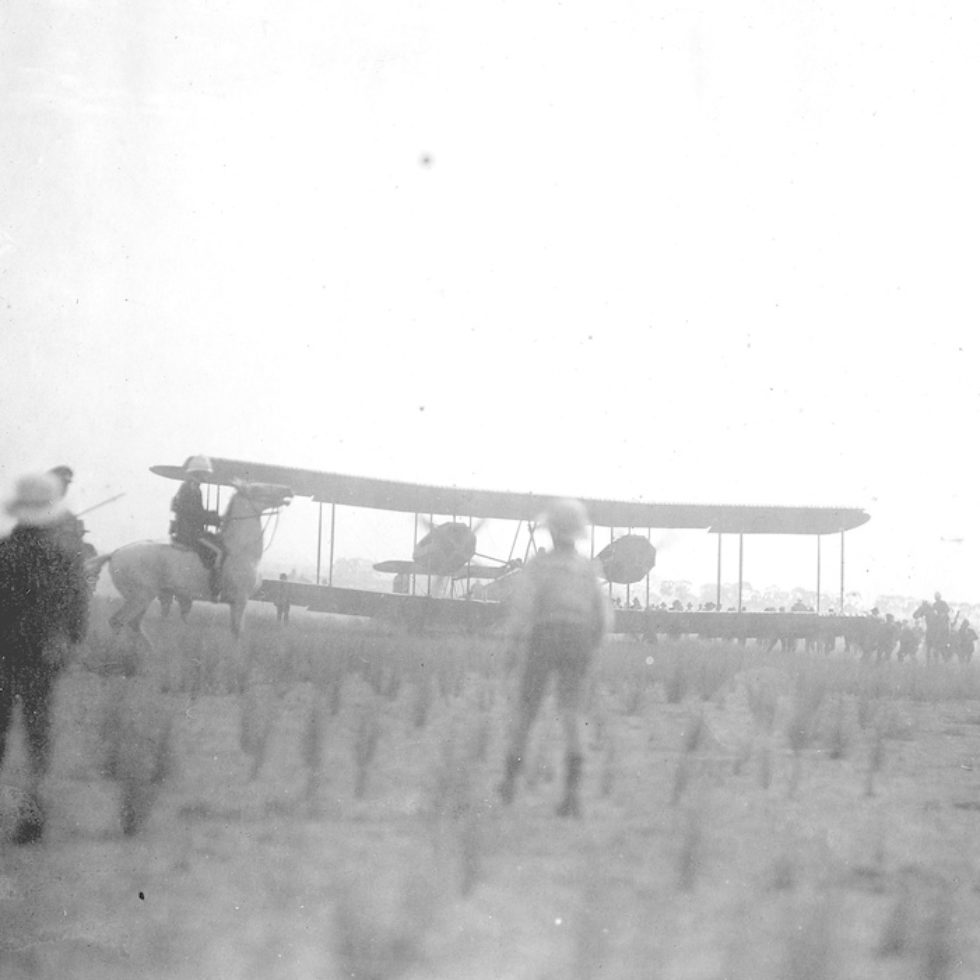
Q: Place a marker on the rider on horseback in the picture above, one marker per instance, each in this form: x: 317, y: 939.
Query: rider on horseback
x: 941, y: 608
x: 191, y: 519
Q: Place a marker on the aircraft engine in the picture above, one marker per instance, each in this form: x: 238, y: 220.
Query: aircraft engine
x: 627, y: 559
x: 445, y: 549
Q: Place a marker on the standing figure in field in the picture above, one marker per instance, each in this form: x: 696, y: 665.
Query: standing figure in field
x: 191, y: 521
x: 965, y: 641
x: 908, y: 641
x: 43, y: 608
x: 887, y: 638
x: 937, y: 628
x: 283, y: 601
x: 559, y: 617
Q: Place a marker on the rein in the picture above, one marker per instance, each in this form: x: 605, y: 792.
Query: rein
x: 258, y: 512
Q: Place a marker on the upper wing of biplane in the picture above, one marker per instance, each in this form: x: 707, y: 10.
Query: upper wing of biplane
x: 417, y: 498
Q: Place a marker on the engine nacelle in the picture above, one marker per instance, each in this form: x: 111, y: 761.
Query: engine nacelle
x: 627, y: 559
x: 445, y: 549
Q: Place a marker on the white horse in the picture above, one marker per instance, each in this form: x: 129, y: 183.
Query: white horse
x: 143, y: 571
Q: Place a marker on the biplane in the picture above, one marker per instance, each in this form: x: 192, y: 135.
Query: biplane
x: 451, y: 519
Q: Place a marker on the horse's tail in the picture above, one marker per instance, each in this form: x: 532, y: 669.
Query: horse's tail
x: 94, y: 565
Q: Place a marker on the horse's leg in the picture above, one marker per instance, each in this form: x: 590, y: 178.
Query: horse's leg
x: 166, y: 601
x: 184, y: 603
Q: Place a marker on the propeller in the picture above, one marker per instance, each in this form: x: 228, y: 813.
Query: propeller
x: 630, y: 557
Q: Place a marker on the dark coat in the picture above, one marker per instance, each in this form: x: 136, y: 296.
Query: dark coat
x: 190, y: 516
x: 43, y: 593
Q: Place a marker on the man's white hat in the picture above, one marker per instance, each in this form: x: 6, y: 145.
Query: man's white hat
x: 37, y: 500
x: 200, y: 465
x: 566, y: 518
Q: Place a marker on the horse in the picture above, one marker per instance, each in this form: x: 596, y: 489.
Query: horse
x: 937, y: 642
x: 146, y: 570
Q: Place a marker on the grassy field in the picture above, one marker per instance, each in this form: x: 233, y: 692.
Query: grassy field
x: 320, y: 803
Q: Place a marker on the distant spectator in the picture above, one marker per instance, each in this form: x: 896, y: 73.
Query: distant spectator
x: 282, y: 601
x: 888, y: 634
x: 965, y: 641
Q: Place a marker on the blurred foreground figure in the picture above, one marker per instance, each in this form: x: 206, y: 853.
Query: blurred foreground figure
x: 43, y: 608
x: 559, y: 618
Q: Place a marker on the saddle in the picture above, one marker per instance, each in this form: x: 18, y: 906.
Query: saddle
x: 207, y: 547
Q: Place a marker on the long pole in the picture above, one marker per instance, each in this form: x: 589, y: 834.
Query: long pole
x: 415, y: 541
x: 612, y: 532
x: 740, y: 540
x: 647, y: 606
x: 628, y: 531
x: 428, y: 575
x: 469, y: 522
x: 841, y: 609
x: 818, y: 573
x: 718, y: 587
x: 319, y: 539
x: 333, y: 525
x: 101, y: 503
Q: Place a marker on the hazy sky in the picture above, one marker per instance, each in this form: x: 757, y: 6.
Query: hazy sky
x: 713, y: 252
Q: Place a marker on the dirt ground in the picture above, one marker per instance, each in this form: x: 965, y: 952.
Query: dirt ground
x: 321, y: 803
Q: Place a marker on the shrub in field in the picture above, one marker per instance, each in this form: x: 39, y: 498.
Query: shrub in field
x: 676, y: 681
x: 376, y: 939
x: 607, y: 777
x: 480, y: 739
x: 765, y: 767
x: 690, y: 857
x: 783, y: 874
x: 838, y: 735
x: 259, y: 709
x: 365, y: 746
x: 590, y: 926
x: 336, y: 696
x: 762, y: 703
x: 876, y: 759
x: 939, y: 953
x: 633, y: 695
x: 136, y: 735
x: 813, y: 941
x: 422, y: 704
x: 897, y: 935
x: 682, y: 776
x: 312, y: 746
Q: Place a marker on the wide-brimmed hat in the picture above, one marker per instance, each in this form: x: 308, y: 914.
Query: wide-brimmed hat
x: 198, y: 465
x: 37, y: 500
x: 65, y: 473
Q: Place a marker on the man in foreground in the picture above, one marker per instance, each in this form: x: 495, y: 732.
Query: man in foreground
x: 558, y: 620
x: 43, y: 608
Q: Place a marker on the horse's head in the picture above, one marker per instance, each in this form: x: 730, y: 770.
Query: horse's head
x: 262, y: 496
